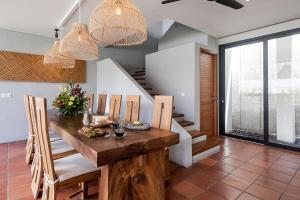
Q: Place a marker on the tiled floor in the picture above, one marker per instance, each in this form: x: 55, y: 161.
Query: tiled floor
x: 242, y: 170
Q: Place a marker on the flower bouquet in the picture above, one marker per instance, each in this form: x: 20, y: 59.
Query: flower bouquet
x: 70, y: 100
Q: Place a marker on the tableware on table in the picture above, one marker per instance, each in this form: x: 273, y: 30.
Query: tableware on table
x: 137, y: 125
x: 92, y: 132
x: 86, y: 118
x: 101, y: 124
x: 120, y: 130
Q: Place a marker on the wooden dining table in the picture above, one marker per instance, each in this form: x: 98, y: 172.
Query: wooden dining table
x: 132, y: 167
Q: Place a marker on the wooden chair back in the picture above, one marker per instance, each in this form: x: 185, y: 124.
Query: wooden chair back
x: 90, y: 102
x: 132, y: 108
x: 36, y: 167
x: 43, y: 138
x: 101, y: 104
x: 28, y: 114
x: 30, y: 140
x: 115, y: 106
x: 162, y: 112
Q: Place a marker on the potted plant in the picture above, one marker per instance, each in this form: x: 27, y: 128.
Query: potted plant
x: 70, y: 100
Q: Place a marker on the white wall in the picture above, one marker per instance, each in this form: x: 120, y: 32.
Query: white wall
x: 285, y: 26
x: 180, y: 34
x: 130, y: 58
x: 13, y: 124
x: 174, y: 72
x: 113, y: 79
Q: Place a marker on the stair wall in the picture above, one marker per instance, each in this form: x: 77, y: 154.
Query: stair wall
x: 175, y: 71
x: 114, y: 79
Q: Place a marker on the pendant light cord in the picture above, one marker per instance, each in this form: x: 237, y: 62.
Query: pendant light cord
x: 79, y: 8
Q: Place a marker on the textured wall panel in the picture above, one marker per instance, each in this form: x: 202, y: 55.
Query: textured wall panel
x: 30, y: 68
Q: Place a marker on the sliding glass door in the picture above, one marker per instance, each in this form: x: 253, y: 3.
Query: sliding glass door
x: 284, y: 90
x: 260, y: 89
x: 243, y: 90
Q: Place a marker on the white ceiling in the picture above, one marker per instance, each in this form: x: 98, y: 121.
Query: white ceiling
x: 41, y: 16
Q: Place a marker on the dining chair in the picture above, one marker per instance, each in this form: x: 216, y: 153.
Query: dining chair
x: 31, y: 141
x: 162, y: 119
x: 63, y: 172
x: 59, y: 149
x: 115, y: 106
x: 90, y: 102
x: 132, y: 108
x: 101, y: 104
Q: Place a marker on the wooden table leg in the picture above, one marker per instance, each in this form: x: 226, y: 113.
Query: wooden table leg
x: 140, y: 177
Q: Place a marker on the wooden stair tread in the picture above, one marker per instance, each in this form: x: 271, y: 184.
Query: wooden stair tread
x: 209, y: 143
x: 185, y: 123
x: 174, y: 114
x: 196, y: 133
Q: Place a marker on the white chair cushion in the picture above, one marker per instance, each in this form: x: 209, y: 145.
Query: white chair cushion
x: 53, y: 136
x: 60, y: 146
x: 72, y: 166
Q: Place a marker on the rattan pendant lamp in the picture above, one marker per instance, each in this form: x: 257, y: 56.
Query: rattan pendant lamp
x: 78, y: 43
x: 52, y: 56
x: 118, y: 23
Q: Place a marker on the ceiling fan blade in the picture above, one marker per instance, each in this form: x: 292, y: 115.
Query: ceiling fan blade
x: 169, y: 1
x: 230, y: 3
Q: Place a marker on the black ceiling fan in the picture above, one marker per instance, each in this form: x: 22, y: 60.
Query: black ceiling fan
x: 229, y: 3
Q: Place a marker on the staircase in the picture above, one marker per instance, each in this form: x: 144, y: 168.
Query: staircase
x: 203, y: 146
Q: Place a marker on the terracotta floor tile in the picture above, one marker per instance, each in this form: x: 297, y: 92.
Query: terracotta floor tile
x: 187, y: 189
x: 288, y: 164
x: 225, y: 191
x: 297, y: 174
x: 20, y: 192
x: 295, y: 182
x: 263, y: 193
x: 216, y: 173
x: 288, y: 197
x: 172, y: 195
x: 227, y: 167
x: 293, y: 191
x: 291, y: 157
x: 284, y: 178
x: 260, y: 162
x: 236, y: 182
x: 246, y: 175
x: 233, y: 162
x: 241, y: 156
x: 253, y: 168
x: 218, y: 156
x: 207, y: 195
x: 207, y: 162
x: 246, y: 196
x: 271, y: 183
x: 3, y: 195
x: 202, y: 181
x: 18, y: 181
x: 284, y: 169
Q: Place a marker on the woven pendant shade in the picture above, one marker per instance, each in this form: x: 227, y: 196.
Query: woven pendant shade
x: 78, y: 44
x: 118, y: 23
x: 52, y: 57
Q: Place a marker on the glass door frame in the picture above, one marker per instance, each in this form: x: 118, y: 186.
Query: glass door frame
x: 222, y: 99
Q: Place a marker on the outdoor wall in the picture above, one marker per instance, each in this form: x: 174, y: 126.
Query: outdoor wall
x: 13, y: 120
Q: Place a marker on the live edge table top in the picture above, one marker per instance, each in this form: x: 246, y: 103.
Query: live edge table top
x: 105, y: 151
